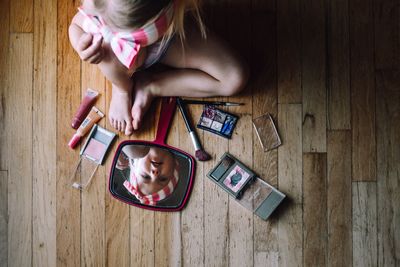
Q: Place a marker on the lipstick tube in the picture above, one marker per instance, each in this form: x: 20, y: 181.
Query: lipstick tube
x: 94, y: 116
x: 84, y: 108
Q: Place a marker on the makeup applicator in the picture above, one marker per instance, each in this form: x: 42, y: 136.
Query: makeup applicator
x: 200, y: 153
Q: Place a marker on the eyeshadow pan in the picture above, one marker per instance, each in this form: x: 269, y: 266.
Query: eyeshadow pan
x: 95, y: 149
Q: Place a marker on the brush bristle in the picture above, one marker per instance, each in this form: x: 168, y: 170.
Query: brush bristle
x: 202, y: 155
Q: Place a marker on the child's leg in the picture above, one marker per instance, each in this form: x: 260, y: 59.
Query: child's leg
x: 122, y: 85
x: 206, y: 67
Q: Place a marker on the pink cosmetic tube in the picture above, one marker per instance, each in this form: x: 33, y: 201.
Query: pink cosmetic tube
x: 94, y: 116
x: 84, y: 108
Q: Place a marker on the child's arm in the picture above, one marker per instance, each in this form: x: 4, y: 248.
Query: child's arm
x: 88, y: 47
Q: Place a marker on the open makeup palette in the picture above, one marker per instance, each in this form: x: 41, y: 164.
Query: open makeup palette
x: 241, y: 183
x: 92, y: 155
x: 217, y: 121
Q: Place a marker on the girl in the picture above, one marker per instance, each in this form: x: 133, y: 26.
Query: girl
x: 153, y: 175
x: 125, y: 37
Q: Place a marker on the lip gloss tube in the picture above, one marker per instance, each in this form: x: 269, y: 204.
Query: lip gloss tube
x: 84, y: 108
x: 94, y: 116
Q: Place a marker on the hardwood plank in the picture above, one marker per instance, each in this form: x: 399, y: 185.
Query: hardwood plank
x: 240, y: 219
x: 388, y: 158
x: 142, y: 222
x: 216, y: 244
x: 265, y: 100
x: 167, y: 239
x: 117, y: 220
x: 339, y: 112
x: 362, y: 90
x: 241, y: 232
x: 339, y: 199
x: 19, y: 101
x: 4, y: 59
x: 167, y: 233
x: 21, y: 16
x: 315, y: 227
x: 289, y: 154
x: 192, y: 217
x: 142, y: 237
x: 68, y: 216
x: 314, y: 75
x: 44, y: 134
x: 270, y: 259
x: 3, y: 218
x: 364, y: 224
x: 290, y: 225
x: 93, y: 247
x: 288, y: 51
x: 386, y: 25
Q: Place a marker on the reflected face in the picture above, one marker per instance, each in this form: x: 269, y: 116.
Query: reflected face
x: 155, y: 170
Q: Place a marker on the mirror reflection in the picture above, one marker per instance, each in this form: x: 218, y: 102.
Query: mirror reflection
x: 152, y: 175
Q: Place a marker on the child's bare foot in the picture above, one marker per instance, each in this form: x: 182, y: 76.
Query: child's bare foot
x: 119, y: 114
x: 141, y: 104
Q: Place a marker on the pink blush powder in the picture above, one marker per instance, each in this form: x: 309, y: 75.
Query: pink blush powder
x: 95, y: 149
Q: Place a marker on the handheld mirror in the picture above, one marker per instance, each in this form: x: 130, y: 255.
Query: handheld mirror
x: 153, y: 175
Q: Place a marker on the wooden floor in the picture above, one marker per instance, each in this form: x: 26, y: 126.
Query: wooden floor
x: 328, y: 72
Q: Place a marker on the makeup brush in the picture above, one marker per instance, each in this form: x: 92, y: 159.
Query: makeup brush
x: 200, y: 153
x: 214, y: 103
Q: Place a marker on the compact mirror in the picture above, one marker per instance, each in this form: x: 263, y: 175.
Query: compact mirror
x: 153, y: 175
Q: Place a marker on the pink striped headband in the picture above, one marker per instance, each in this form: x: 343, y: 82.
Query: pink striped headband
x: 126, y: 45
x: 152, y: 199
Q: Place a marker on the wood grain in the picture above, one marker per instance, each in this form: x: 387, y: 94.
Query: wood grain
x: 44, y: 135
x: 142, y: 222
x: 93, y: 247
x: 339, y: 113
x: 19, y: 101
x: 241, y: 219
x: 362, y: 90
x: 241, y: 249
x: 4, y: 59
x: 265, y: 100
x: 3, y: 218
x: 68, y: 208
x: 339, y: 199
x: 21, y: 16
x: 192, y: 217
x: 314, y: 209
x: 365, y: 250
x: 386, y: 31
x: 314, y: 75
x: 289, y: 58
x: 167, y: 225
x: 216, y: 248
x: 388, y: 158
x: 117, y: 220
x: 290, y: 225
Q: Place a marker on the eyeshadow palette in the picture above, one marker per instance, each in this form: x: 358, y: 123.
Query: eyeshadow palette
x: 217, y: 121
x: 231, y: 175
x: 243, y: 184
x: 92, y: 155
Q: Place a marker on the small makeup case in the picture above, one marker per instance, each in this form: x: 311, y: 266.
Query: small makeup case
x: 92, y: 155
x: 217, y: 121
x: 243, y: 184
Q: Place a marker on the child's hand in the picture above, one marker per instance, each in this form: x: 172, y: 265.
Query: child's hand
x: 89, y: 48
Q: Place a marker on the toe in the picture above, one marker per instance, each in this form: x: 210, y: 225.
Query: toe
x: 128, y: 129
x: 122, y: 126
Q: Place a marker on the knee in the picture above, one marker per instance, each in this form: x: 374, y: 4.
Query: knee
x: 235, y: 80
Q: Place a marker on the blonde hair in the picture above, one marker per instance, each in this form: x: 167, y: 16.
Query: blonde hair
x: 131, y: 14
